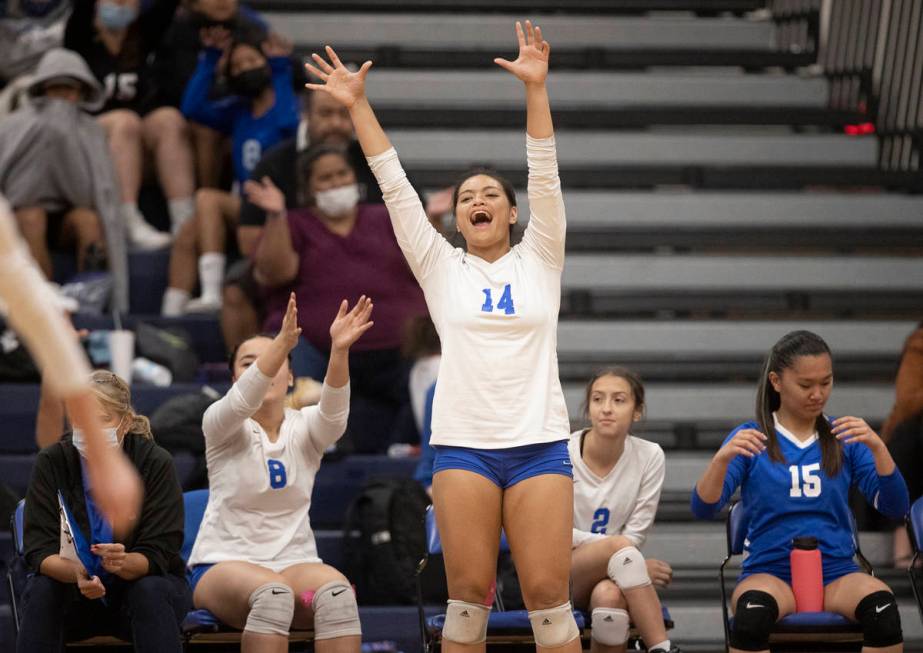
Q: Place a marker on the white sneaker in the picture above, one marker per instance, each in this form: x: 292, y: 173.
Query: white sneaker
x: 143, y: 236
x: 203, y: 305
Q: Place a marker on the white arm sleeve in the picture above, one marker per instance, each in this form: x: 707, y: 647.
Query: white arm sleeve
x: 547, y: 224
x: 327, y: 420
x: 33, y: 313
x: 582, y: 537
x: 422, y: 245
x: 223, y: 419
x: 642, y: 516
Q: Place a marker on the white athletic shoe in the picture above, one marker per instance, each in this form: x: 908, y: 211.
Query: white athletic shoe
x: 203, y: 305
x: 143, y: 236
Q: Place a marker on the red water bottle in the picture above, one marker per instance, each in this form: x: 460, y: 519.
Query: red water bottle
x: 807, y: 575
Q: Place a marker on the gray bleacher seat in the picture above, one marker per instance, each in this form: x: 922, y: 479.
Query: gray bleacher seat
x: 505, y: 148
x: 495, y: 31
x: 421, y: 89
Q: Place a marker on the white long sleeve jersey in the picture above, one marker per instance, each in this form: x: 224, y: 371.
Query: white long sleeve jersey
x: 624, y: 502
x: 498, y: 377
x: 260, y: 491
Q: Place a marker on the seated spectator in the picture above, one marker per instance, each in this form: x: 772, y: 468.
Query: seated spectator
x: 262, y: 113
x: 254, y: 563
x: 324, y: 121
x: 116, y: 40
x: 903, y: 431
x: 175, y: 63
x: 133, y: 588
x: 617, y: 483
x: 339, y: 247
x: 58, y: 175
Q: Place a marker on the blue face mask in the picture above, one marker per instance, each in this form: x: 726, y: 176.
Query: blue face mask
x: 114, y: 16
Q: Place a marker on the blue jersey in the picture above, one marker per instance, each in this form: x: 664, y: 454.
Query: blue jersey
x: 796, y: 498
x: 250, y: 135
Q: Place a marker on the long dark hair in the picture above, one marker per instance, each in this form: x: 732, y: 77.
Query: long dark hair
x: 781, y: 357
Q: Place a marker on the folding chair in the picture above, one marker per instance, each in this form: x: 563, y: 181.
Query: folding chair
x: 802, y: 627
x: 507, y: 628
x: 201, y: 626
x: 915, y: 530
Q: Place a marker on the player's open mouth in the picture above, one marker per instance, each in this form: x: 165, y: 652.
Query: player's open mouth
x: 481, y: 219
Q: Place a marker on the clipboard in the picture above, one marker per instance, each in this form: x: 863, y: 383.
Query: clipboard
x: 74, y: 544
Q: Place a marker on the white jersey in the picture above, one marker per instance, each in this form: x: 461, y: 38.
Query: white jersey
x: 260, y: 491
x: 624, y: 502
x: 34, y: 314
x: 497, y: 322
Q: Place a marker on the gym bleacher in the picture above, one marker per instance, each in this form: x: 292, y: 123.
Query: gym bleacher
x: 715, y: 202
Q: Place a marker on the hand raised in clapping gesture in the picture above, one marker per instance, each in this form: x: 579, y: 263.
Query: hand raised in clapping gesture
x: 531, y: 66
x: 345, y: 86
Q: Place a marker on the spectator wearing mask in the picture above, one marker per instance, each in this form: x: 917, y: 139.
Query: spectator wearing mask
x: 262, y: 112
x: 116, y: 40
x: 335, y: 248
x: 58, y: 175
x: 133, y: 587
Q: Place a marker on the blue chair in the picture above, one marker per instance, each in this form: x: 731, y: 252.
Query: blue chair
x: 915, y: 530
x: 803, y: 627
x: 504, y: 627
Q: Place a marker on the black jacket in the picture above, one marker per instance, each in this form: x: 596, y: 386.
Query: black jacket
x: 159, y: 533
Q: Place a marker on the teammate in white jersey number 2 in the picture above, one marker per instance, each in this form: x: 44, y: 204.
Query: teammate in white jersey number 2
x: 500, y: 423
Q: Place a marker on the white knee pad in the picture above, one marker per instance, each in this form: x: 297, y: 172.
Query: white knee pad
x: 465, y: 623
x: 335, y: 611
x: 554, y: 626
x: 610, y: 626
x: 628, y: 569
x: 272, y: 607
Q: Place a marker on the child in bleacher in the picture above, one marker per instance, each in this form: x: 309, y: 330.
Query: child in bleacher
x: 132, y: 586
x: 499, y: 417
x: 254, y: 563
x: 795, y: 467
x: 617, y: 483
x: 262, y: 112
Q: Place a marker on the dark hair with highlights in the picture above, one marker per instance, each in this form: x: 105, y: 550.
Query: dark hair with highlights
x: 781, y: 357
x: 633, y: 379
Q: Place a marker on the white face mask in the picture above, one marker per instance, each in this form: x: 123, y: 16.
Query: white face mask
x: 337, y: 201
x: 80, y: 439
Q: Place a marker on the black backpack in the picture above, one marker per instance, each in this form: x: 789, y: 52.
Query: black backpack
x: 384, y: 541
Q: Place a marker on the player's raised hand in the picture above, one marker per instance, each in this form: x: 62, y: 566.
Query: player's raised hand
x: 339, y: 82
x: 290, y: 332
x: 347, y: 327
x: 531, y: 66
x: 746, y: 442
x: 850, y: 429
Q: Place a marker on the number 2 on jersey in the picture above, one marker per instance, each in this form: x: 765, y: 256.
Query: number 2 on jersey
x: 505, y: 304
x: 809, y: 483
x: 600, y: 521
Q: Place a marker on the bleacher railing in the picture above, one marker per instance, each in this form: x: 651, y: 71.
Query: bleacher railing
x: 872, y: 52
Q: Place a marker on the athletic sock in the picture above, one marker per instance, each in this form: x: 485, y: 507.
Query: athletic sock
x: 211, y: 276
x: 174, y: 302
x: 180, y: 210
x: 663, y: 646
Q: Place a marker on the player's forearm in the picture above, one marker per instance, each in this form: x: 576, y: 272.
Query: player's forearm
x: 538, y: 111
x: 884, y: 463
x: 711, y: 484
x: 369, y: 133
x: 338, y: 368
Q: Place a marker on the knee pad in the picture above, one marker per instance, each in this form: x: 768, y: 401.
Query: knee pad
x: 628, y: 569
x: 554, y: 626
x: 610, y: 626
x: 754, y: 618
x: 272, y: 607
x: 465, y: 623
x: 336, y: 613
x: 880, y: 619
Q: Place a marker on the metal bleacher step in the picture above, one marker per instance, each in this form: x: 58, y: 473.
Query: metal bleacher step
x: 453, y: 6
x: 704, y: 351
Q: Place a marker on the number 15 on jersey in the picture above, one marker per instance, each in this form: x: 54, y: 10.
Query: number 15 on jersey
x: 505, y: 304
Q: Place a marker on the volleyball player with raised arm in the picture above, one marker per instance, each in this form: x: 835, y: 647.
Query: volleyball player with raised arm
x: 795, y: 467
x: 254, y: 563
x: 32, y: 311
x: 500, y: 423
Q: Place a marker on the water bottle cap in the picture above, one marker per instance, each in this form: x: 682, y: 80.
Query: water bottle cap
x: 805, y: 543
